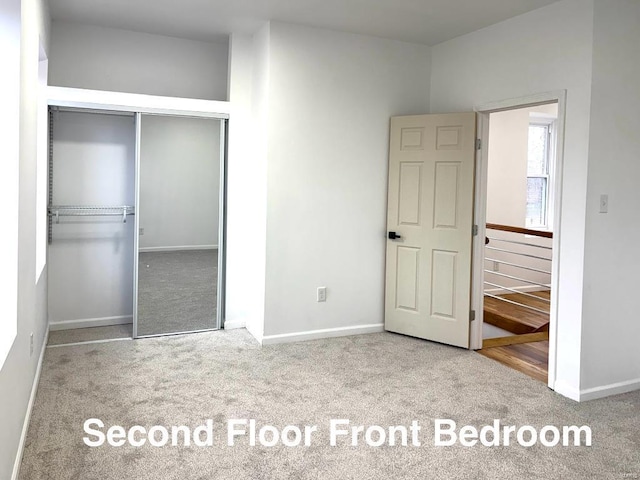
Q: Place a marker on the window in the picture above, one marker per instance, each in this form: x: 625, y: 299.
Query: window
x: 538, y: 174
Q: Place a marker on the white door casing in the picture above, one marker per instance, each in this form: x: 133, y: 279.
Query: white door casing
x: 430, y: 208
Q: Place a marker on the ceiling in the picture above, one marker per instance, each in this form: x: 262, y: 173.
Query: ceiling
x: 421, y: 21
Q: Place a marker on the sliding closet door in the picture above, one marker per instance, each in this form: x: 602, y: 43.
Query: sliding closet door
x: 91, y: 232
x: 179, y: 182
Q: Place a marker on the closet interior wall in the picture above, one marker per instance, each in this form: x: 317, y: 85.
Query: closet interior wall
x: 91, y: 257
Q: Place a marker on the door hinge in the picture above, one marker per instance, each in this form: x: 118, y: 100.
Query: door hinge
x: 472, y: 315
x: 478, y: 144
x: 474, y: 230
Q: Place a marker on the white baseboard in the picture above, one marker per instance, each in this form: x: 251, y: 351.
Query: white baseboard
x: 318, y: 334
x: 255, y: 333
x: 608, y: 390
x: 234, y: 324
x: 177, y: 248
x: 27, y: 416
x: 90, y: 322
x: 567, y: 390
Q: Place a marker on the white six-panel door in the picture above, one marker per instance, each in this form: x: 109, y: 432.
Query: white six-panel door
x: 430, y: 209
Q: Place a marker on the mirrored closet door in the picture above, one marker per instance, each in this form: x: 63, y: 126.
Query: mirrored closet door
x: 179, y: 220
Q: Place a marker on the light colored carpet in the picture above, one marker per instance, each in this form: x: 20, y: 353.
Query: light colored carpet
x: 382, y: 379
x: 177, y: 291
x: 62, y: 337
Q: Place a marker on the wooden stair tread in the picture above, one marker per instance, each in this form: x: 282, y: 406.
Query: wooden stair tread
x: 528, y: 358
x: 515, y: 318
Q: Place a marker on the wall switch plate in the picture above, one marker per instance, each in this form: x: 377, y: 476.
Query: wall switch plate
x: 31, y: 344
x: 141, y: 230
x: 604, y: 203
x: 322, y: 294
x: 496, y: 266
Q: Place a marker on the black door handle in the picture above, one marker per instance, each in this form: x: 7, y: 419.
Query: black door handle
x: 394, y: 236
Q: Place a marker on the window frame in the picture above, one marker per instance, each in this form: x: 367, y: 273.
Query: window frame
x: 549, y: 122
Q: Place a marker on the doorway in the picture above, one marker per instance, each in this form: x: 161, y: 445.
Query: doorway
x: 516, y: 253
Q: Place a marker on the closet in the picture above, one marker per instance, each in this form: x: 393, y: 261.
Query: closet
x: 91, y: 227
x: 136, y: 213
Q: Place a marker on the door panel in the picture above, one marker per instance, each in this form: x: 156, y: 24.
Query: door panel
x: 430, y: 207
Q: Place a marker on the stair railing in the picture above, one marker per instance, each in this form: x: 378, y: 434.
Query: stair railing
x: 518, y: 261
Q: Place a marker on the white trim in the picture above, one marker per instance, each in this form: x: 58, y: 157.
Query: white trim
x: 256, y: 334
x: 325, y: 333
x: 177, y: 248
x: 234, y: 324
x: 222, y: 225
x: 106, y: 340
x: 523, y: 102
x: 136, y: 231
x: 566, y: 390
x: 608, y: 390
x: 27, y: 417
x: 133, y: 102
x: 476, y: 334
x: 559, y: 96
x: 90, y: 322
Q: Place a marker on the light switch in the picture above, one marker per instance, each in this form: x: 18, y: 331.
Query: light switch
x: 604, y: 203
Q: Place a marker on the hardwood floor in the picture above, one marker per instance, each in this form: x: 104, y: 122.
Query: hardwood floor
x: 529, y: 358
x: 517, y: 319
x: 528, y: 350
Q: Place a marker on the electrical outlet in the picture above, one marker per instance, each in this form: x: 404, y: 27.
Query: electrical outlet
x: 141, y: 230
x: 322, y: 294
x: 31, y: 344
x: 604, y: 203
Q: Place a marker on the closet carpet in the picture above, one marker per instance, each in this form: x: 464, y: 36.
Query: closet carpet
x: 63, y: 337
x: 177, y: 291
x: 377, y: 379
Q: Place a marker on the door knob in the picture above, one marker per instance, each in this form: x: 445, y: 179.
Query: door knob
x: 394, y: 236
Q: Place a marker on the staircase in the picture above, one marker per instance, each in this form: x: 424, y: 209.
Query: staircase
x: 517, y: 281
x: 518, y: 319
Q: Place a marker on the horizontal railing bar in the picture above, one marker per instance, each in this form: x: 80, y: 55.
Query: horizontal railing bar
x: 518, y: 292
x: 520, y: 243
x: 518, y: 278
x: 515, y: 303
x: 517, y: 266
x: 518, y: 253
x: 525, y: 231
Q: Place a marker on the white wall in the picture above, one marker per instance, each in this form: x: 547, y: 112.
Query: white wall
x: 10, y: 23
x: 544, y: 50
x: 330, y: 98
x: 19, y: 370
x: 179, y: 183
x: 507, y: 197
x: 610, y: 354
x: 246, y: 179
x: 85, y: 56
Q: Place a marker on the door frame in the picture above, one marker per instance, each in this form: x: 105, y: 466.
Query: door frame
x: 483, y: 112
